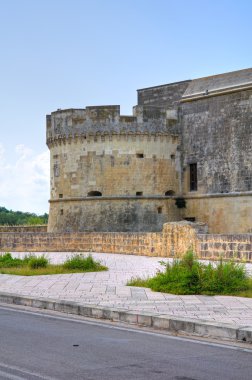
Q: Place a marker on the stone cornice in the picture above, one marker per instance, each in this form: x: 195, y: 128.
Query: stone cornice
x: 105, y: 198
x: 158, y: 197
x: 218, y: 195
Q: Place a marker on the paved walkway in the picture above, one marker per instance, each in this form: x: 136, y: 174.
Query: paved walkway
x: 108, y: 289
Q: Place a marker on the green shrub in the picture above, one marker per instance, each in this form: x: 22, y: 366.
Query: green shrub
x: 37, y: 262
x: 82, y: 263
x: 7, y: 261
x: 189, y: 276
x: 225, y: 278
x: 31, y: 265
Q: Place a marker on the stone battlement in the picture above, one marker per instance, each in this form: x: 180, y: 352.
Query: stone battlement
x: 106, y: 120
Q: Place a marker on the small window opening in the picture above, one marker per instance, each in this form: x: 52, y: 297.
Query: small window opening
x: 140, y: 155
x: 190, y: 219
x: 139, y: 193
x: 159, y: 210
x: 169, y: 193
x: 61, y: 211
x: 193, y: 177
x: 94, y: 194
x: 60, y: 195
x: 172, y: 156
x: 180, y: 203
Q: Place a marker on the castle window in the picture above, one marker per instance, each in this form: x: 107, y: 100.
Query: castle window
x: 190, y: 219
x: 56, y: 170
x: 140, y: 155
x: 60, y: 195
x: 193, y: 177
x: 172, y: 156
x: 94, y: 194
x: 169, y: 193
x: 139, y: 193
x: 61, y: 211
x: 159, y: 210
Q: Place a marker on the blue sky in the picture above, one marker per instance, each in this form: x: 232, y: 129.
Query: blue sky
x: 73, y: 53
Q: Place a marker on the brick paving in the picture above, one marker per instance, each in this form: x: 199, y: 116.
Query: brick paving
x: 108, y: 289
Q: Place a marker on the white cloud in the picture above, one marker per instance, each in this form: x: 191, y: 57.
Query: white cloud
x: 24, y: 184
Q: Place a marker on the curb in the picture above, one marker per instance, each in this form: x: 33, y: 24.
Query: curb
x: 175, y: 325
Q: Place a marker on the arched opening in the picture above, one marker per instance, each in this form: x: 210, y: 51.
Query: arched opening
x: 94, y: 194
x: 169, y: 193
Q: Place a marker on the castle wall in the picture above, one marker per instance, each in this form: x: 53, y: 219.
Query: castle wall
x: 166, y: 96
x: 217, y: 135
x: 222, y: 213
x: 111, y: 214
x: 115, y: 165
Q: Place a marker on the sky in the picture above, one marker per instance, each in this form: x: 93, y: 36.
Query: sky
x: 75, y: 53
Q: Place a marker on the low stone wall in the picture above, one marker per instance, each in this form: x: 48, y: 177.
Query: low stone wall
x: 178, y: 238
x: 128, y: 243
x: 35, y: 229
x: 173, y: 241
x: 238, y: 247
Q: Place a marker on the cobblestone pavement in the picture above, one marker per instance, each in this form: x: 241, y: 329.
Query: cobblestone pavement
x: 108, y: 289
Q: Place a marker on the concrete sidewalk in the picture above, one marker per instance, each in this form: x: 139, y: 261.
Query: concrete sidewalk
x: 108, y: 290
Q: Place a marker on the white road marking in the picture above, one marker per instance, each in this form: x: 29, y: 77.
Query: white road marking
x: 23, y: 373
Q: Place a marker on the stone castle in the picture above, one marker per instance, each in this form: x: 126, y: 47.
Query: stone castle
x: 185, y: 154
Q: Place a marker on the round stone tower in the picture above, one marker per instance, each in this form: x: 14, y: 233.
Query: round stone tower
x: 111, y: 172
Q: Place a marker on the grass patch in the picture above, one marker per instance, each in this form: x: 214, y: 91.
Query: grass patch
x: 189, y: 276
x: 39, y: 265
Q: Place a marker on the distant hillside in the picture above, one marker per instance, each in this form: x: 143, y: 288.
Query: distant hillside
x: 13, y: 218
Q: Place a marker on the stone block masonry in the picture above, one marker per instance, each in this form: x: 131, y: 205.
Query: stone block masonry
x: 237, y: 247
x: 33, y: 228
x: 149, y: 244
x: 173, y: 241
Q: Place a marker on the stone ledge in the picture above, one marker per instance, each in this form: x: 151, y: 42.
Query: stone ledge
x: 112, y: 197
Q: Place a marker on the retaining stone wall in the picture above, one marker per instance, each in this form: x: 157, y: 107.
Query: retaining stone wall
x: 238, y: 247
x: 128, y: 243
x: 174, y: 241
x: 36, y: 228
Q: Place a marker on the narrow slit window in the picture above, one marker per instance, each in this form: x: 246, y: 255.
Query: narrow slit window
x: 193, y: 177
x: 159, y: 210
x: 61, y: 212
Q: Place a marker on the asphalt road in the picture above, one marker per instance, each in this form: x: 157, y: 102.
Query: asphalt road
x: 41, y: 346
